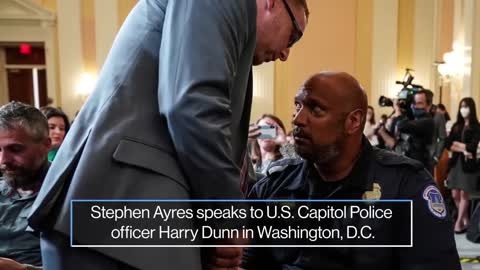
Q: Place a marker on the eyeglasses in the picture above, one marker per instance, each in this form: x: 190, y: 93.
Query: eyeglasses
x: 297, y: 34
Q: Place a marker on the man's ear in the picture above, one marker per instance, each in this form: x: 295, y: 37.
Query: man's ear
x: 354, y: 122
x: 47, y: 143
x: 270, y: 4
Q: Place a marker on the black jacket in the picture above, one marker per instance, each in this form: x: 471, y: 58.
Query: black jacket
x: 471, y: 137
x: 399, y: 178
x: 420, y: 133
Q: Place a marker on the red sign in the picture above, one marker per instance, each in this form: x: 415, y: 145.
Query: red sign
x: 25, y: 49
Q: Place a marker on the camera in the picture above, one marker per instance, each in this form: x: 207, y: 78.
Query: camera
x: 405, y: 96
x: 267, y: 132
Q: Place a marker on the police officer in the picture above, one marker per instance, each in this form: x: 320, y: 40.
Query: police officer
x: 339, y: 163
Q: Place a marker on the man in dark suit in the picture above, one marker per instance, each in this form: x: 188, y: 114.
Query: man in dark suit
x: 168, y: 119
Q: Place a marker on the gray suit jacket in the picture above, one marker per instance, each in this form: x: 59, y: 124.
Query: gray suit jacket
x: 168, y: 118
x: 439, y: 137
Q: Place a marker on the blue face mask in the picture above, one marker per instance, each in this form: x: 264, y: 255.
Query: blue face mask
x: 419, y: 112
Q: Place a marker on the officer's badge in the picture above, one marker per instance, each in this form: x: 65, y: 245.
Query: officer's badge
x: 374, y: 194
x: 435, y: 202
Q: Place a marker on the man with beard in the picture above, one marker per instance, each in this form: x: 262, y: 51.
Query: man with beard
x: 339, y: 163
x: 24, y: 146
x: 177, y: 78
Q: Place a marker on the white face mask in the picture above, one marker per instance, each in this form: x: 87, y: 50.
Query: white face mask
x: 464, y: 111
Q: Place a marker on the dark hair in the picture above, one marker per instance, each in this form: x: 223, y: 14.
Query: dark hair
x: 442, y: 107
x: 16, y: 114
x: 472, y: 117
x: 255, y: 147
x: 428, y: 95
x: 50, y: 112
x: 372, y: 120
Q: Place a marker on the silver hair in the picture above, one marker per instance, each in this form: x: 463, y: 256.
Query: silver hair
x: 16, y: 114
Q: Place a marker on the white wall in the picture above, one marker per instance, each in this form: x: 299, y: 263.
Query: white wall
x: 106, y: 20
x: 424, y: 48
x: 263, y: 90
x: 384, y: 51
x: 70, y: 54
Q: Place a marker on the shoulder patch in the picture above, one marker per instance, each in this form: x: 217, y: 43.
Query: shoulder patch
x: 434, y: 201
x: 389, y: 158
x: 281, y: 165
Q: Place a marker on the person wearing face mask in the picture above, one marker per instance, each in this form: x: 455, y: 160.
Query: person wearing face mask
x: 414, y: 136
x: 463, y: 169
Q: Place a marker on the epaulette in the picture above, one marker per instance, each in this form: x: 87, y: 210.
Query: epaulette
x: 282, y: 164
x: 393, y: 159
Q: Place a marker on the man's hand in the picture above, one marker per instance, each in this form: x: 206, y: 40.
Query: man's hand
x: 9, y: 264
x: 227, y: 258
x: 389, y: 140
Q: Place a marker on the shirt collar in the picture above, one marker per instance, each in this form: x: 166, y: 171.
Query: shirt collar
x: 358, y: 177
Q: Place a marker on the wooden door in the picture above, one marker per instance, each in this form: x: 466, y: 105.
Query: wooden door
x: 20, y: 76
x: 20, y: 85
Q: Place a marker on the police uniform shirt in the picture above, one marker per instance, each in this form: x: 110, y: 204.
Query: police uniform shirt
x: 377, y: 174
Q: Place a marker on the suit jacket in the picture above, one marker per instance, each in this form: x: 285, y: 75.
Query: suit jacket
x: 168, y: 118
x: 439, y: 136
x: 471, y: 137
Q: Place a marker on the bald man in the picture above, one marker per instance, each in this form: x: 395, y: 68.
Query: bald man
x: 339, y: 163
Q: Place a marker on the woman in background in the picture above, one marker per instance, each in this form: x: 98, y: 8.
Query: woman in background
x: 442, y: 110
x: 58, y: 125
x: 463, y: 168
x: 370, y: 126
x: 264, y: 151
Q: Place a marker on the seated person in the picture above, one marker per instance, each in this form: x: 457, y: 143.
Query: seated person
x: 24, y: 145
x: 264, y: 151
x: 58, y: 125
x: 339, y: 163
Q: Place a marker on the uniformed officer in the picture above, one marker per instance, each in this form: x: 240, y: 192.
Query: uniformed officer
x: 339, y: 163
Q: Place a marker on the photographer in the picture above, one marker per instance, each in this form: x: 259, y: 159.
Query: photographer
x: 386, y: 130
x: 414, y: 136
